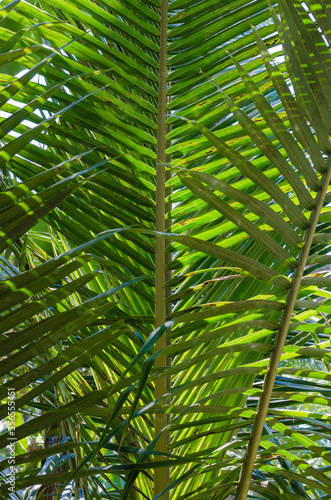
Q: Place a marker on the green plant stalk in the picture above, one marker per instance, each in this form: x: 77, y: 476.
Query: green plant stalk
x: 262, y: 409
x: 161, y: 476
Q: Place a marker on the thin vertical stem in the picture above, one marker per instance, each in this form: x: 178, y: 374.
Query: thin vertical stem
x: 161, y: 476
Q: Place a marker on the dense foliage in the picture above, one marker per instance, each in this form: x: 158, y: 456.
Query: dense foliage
x: 206, y: 197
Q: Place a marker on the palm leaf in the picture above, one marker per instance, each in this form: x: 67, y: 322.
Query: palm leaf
x: 223, y: 389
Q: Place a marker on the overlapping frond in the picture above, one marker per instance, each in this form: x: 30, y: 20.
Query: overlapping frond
x: 78, y: 141
x: 250, y: 163
x: 247, y: 231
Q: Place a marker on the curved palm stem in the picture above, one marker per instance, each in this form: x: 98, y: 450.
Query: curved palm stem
x: 269, y: 381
